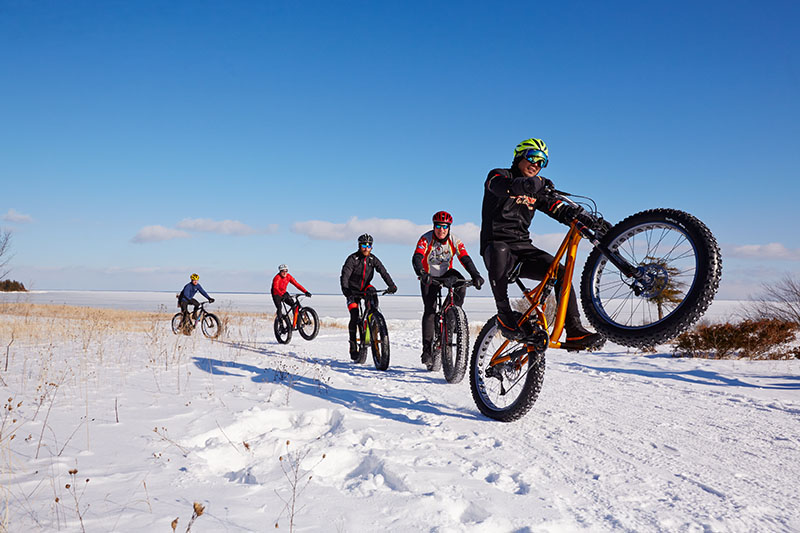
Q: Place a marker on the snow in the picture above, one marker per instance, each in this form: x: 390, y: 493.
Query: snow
x: 617, y: 441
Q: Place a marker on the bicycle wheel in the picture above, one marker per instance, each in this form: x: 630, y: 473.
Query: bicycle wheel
x: 308, y: 323
x: 361, y: 342
x: 283, y: 329
x: 435, y: 364
x: 455, y: 345
x: 176, y: 323
x: 379, y: 341
x: 506, y: 391
x: 682, y: 266
x: 211, y: 326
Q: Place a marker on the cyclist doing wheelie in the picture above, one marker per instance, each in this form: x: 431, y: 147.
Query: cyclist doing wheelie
x: 357, y: 272
x: 510, y: 198
x: 433, y: 258
x: 280, y: 283
x: 186, y: 296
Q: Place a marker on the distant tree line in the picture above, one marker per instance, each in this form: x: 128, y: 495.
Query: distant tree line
x: 9, y: 285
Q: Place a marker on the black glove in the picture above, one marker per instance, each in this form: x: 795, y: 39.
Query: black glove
x: 477, y: 282
x: 547, y: 183
x: 425, y: 278
x: 211, y: 300
x: 561, y: 210
x: 392, y: 289
x: 308, y: 294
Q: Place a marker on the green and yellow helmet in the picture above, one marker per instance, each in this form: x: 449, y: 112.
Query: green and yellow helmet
x: 536, y: 149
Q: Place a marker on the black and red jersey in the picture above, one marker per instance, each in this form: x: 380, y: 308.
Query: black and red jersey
x: 509, y: 203
x: 437, y: 256
x: 358, y: 270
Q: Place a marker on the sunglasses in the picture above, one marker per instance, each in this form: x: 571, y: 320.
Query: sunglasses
x: 365, y: 246
x: 536, y: 157
x: 441, y: 226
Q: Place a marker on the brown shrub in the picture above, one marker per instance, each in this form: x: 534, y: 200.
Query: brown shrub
x: 767, y: 338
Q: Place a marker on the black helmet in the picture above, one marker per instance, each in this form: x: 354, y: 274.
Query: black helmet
x: 365, y: 239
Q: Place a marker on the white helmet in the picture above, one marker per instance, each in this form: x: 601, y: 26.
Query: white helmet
x: 281, y: 268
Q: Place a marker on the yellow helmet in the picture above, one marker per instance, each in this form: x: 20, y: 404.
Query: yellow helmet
x: 534, y: 149
x: 194, y: 277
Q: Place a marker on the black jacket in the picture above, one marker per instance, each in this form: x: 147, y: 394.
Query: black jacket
x: 509, y: 203
x: 358, y: 270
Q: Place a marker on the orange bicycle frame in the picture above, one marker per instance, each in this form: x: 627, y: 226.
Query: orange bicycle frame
x: 569, y: 247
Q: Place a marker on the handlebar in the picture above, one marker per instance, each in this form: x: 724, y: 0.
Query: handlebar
x: 364, y: 293
x: 298, y: 295
x: 452, y: 282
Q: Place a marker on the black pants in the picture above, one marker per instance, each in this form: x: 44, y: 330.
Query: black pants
x: 500, y: 258
x: 278, y: 298
x: 185, y: 305
x: 429, y: 293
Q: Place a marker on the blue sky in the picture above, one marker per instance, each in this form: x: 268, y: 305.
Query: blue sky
x: 142, y: 141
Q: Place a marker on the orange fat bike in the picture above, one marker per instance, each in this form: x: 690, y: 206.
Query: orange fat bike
x: 647, y: 279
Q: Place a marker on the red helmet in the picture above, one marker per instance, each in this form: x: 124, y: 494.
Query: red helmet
x: 442, y: 217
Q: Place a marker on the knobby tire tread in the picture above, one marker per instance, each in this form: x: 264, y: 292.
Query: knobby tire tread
x: 697, y: 301
x: 282, y: 326
x: 217, y: 323
x: 311, y: 314
x: 454, y: 364
x: 530, y: 389
x: 380, y: 342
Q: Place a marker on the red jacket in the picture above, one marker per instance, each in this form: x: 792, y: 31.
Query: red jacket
x: 280, y: 283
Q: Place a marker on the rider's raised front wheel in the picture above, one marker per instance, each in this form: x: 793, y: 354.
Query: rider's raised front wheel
x: 283, y: 328
x: 308, y: 323
x: 680, y: 266
x: 507, y: 390
x: 176, y: 323
x: 455, y: 344
x: 379, y: 342
x: 211, y: 326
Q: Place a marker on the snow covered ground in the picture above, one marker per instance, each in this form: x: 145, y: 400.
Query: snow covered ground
x: 618, y: 441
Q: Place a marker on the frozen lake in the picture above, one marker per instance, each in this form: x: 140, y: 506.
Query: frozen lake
x: 398, y: 307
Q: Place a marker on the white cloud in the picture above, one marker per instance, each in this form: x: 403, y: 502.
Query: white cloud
x: 225, y: 227
x: 386, y: 230
x: 157, y: 234
x: 15, y: 216
x: 773, y: 250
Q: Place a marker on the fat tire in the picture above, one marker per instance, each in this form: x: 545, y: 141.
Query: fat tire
x: 455, y: 348
x: 308, y: 323
x: 176, y: 323
x: 282, y: 326
x: 362, y: 345
x: 379, y: 342
x: 436, y: 349
x: 601, y: 279
x: 211, y: 326
x: 479, y: 383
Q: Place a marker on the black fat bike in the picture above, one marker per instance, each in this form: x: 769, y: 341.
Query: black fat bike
x: 209, y: 323
x: 295, y: 317
x: 372, y: 331
x: 450, y: 349
x: 647, y: 279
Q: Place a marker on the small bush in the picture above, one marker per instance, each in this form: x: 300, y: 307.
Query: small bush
x: 767, y: 338
x: 9, y: 285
